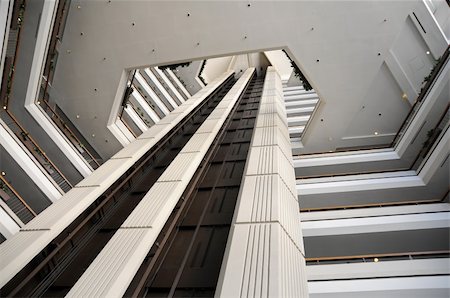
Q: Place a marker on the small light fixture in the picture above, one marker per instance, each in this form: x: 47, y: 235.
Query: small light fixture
x: 78, y: 6
x: 38, y: 102
x: 93, y: 135
x: 375, y: 133
x: 375, y: 260
x: 78, y: 116
x: 428, y: 52
x: 3, y: 173
x: 69, y: 51
x: 4, y: 107
x: 404, y: 96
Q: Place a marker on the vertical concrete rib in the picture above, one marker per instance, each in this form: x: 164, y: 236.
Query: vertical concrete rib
x: 265, y: 254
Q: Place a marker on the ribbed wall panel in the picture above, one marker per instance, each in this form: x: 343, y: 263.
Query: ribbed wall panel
x: 198, y: 142
x: 63, y: 211
x: 272, y: 135
x: 112, y: 270
x: 218, y: 113
x: 122, y: 253
x: 209, y: 126
x: 268, y: 264
x: 60, y: 214
x: 162, y: 196
x: 11, y: 253
x: 171, y: 118
x: 136, y: 148
x: 265, y: 254
x: 180, y: 166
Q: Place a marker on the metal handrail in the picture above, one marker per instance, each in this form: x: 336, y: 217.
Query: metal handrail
x: 373, y: 205
x: 17, y: 195
x: 7, y: 84
x: 381, y: 255
x: 42, y: 153
x: 48, y: 108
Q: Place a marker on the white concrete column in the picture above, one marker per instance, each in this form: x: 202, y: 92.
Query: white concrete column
x: 265, y: 255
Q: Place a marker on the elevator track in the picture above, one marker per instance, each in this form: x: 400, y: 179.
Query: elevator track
x: 54, y: 271
x: 186, y: 258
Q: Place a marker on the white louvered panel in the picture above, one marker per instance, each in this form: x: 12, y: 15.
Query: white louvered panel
x: 156, y: 131
x: 67, y: 208
x: 123, y: 253
x: 272, y: 135
x: 17, y: 253
x: 266, y: 198
x: 267, y: 224
x: 181, y: 166
x: 136, y: 148
x: 160, y: 200
x: 180, y: 109
x: 218, y: 113
x: 63, y: 211
x: 264, y: 262
x: 107, y: 173
x: 224, y: 103
x: 269, y: 108
x: 270, y: 160
x: 169, y: 119
x: 270, y: 120
x: 198, y: 142
x: 209, y: 126
x: 150, y: 215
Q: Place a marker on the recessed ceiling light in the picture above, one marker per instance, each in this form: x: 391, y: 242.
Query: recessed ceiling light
x: 375, y: 260
x: 78, y: 116
x: 375, y: 133
x: 404, y: 96
x: 3, y: 173
x: 4, y: 107
x: 428, y: 52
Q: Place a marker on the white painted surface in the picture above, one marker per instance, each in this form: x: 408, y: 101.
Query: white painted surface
x: 170, y: 85
x: 28, y: 164
x: 8, y: 226
x: 135, y: 118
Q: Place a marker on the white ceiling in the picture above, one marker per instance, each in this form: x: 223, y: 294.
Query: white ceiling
x: 345, y: 36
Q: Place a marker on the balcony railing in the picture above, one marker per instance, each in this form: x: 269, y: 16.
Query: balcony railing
x: 36, y: 151
x: 375, y: 205
x: 15, y: 202
x: 377, y: 257
x: 47, y: 78
x: 70, y: 135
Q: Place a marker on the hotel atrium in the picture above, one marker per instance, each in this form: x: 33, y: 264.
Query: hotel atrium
x: 225, y: 148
